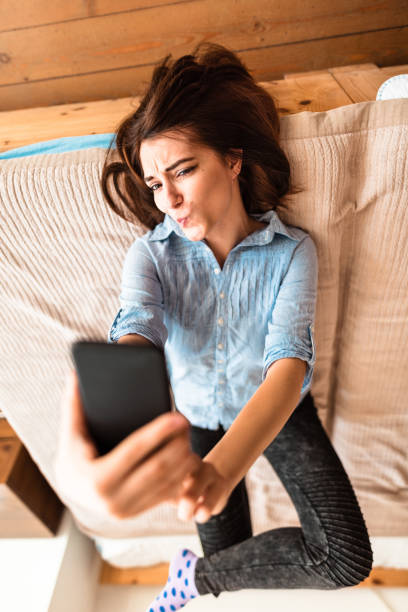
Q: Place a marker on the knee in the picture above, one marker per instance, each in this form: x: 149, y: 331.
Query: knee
x: 349, y: 563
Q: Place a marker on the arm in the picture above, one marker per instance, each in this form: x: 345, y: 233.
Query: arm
x: 141, y: 313
x: 260, y: 421
x: 134, y: 339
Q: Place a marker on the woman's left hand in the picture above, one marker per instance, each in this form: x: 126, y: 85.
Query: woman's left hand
x: 203, y: 494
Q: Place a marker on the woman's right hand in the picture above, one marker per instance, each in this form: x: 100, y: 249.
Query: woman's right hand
x: 131, y: 478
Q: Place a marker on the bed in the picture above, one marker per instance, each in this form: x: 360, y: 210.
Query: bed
x: 349, y: 150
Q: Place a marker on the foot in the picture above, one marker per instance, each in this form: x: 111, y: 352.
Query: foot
x: 180, y: 586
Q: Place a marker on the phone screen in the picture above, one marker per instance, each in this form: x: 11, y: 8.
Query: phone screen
x: 122, y: 386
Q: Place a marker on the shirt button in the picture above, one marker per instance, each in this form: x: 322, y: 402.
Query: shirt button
x: 221, y: 382
x: 220, y: 321
x: 220, y: 361
x: 220, y: 346
x: 216, y: 270
x: 222, y: 295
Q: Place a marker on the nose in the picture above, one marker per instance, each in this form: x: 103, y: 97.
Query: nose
x: 172, y: 196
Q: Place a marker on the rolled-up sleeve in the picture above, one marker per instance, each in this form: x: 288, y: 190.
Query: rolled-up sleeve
x: 291, y: 323
x: 141, y: 299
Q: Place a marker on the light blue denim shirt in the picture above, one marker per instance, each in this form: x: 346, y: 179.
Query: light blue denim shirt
x: 221, y: 328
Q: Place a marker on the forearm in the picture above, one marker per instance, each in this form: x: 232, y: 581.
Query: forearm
x: 260, y: 420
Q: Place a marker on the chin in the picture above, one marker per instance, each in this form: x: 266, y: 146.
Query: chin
x: 194, y: 233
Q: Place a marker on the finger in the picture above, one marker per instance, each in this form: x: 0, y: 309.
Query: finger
x: 191, y: 495
x: 165, y: 491
x: 161, y: 488
x: 211, y: 503
x: 134, y: 449
x: 73, y: 415
x: 73, y: 429
x: 196, y: 483
x: 147, y: 475
x: 175, y: 485
x: 134, y: 495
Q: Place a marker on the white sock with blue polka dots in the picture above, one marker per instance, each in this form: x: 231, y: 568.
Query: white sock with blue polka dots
x: 180, y: 586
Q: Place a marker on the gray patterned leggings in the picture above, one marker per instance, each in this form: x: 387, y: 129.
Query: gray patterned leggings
x: 330, y: 550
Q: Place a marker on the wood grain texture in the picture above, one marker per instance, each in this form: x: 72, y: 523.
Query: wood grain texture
x: 386, y: 577
x: 157, y: 575
x: 26, y: 13
x: 294, y: 75
x: 26, y: 126
x: 316, y: 91
x: 89, y: 51
x: 29, y: 507
x: 6, y: 430
x: 153, y: 574
x: 360, y: 84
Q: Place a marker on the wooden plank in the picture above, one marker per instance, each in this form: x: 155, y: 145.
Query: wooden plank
x: 143, y: 37
x: 265, y: 64
x: 76, y: 90
x: 394, y: 70
x: 311, y: 93
x: 153, y: 574
x: 27, y: 13
x: 362, y: 85
x: 157, y: 575
x: 29, y: 507
x: 21, y: 127
x: 386, y: 577
x: 6, y: 430
x: 9, y: 449
x: 353, y: 67
x: 322, y: 54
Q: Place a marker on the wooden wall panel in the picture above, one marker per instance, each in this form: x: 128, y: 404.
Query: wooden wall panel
x: 26, y: 13
x: 61, y: 55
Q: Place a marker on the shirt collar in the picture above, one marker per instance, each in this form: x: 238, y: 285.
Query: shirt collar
x: 262, y: 236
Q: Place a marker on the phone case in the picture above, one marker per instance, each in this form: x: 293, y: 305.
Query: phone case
x: 122, y: 386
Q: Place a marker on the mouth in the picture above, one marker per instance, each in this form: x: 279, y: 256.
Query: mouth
x: 182, y: 221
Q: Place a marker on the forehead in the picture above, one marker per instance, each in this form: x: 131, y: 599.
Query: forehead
x: 159, y: 152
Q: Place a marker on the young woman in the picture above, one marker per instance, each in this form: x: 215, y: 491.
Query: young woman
x: 229, y: 291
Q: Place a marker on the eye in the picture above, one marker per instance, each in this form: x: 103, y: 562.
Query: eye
x: 152, y: 187
x: 186, y: 171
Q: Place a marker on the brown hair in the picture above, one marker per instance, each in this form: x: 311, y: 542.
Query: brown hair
x: 210, y: 95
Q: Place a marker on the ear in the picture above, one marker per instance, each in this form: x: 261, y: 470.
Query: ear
x: 235, y: 162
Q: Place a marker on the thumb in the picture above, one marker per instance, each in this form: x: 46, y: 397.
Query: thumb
x: 73, y: 422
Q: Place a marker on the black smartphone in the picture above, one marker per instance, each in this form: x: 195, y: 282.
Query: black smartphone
x: 122, y: 386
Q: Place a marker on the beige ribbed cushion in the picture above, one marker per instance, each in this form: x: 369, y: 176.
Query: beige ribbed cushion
x: 62, y: 251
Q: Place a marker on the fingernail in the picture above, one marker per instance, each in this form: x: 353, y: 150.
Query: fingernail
x: 182, y: 514
x: 201, y: 516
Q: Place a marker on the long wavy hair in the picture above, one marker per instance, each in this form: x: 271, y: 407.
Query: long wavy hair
x: 210, y: 95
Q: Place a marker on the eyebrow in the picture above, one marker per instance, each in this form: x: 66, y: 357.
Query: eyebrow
x: 180, y: 161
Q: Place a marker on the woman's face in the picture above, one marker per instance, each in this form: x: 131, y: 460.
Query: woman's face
x: 191, y: 180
